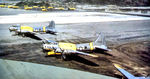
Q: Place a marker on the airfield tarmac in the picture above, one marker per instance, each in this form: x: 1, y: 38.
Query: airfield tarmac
x: 129, y: 41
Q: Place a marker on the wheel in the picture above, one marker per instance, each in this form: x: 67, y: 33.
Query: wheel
x: 16, y: 33
x: 44, y: 51
x: 23, y: 35
x: 64, y: 57
x: 10, y: 30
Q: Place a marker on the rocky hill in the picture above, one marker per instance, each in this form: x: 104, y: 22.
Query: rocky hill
x: 99, y: 2
x: 117, y: 2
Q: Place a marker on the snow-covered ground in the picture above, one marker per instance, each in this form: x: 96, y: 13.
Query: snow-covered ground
x: 68, y: 17
x: 118, y: 9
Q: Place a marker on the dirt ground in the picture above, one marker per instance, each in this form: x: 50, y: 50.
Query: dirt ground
x: 134, y: 57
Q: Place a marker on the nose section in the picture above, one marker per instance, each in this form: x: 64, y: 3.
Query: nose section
x: 44, y: 46
x: 12, y: 28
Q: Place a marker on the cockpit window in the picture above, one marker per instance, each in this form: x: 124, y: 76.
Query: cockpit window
x: 15, y: 25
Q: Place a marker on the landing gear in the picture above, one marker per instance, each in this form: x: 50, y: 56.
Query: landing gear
x: 10, y: 30
x: 65, y: 56
x: 44, y: 51
x: 23, y: 35
x: 16, y: 33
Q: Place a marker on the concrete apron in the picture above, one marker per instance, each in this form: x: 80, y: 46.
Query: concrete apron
x: 23, y: 70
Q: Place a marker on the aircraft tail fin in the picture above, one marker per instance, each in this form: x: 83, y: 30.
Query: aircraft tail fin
x: 51, y: 24
x: 100, y: 43
x: 101, y: 38
x: 124, y: 72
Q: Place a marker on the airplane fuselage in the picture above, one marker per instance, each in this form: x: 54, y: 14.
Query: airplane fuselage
x: 67, y: 46
x: 29, y: 29
x: 32, y: 29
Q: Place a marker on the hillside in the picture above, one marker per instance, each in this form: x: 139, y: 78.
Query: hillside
x: 100, y: 2
x: 117, y: 2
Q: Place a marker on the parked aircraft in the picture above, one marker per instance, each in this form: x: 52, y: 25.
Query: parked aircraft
x: 23, y: 30
x: 67, y: 49
x: 127, y: 74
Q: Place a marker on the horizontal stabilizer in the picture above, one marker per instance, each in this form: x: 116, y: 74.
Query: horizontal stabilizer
x: 51, y: 24
x: 102, y: 47
x: 100, y: 43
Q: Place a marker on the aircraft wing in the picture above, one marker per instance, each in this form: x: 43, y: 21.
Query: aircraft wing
x: 82, y: 53
x: 38, y: 35
x: 127, y: 74
x: 92, y: 55
x: 28, y: 32
x: 124, y: 72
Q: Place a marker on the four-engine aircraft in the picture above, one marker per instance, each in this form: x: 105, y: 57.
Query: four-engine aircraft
x: 127, y: 74
x: 66, y: 49
x: 25, y: 30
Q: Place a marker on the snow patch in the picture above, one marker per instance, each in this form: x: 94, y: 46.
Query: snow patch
x: 69, y: 17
